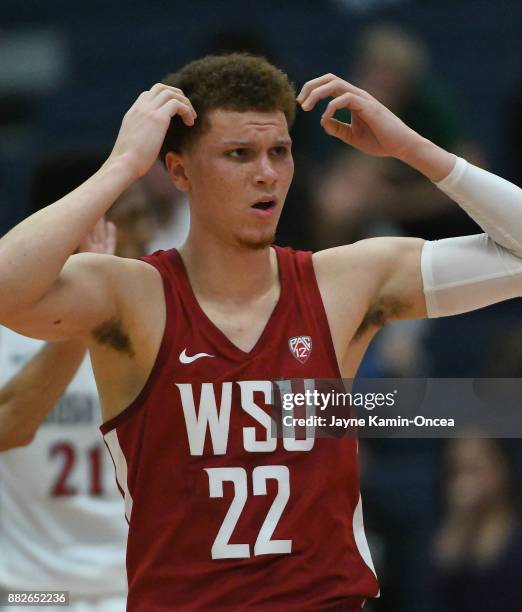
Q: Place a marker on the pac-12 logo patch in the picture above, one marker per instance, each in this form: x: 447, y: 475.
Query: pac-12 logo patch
x: 300, y: 347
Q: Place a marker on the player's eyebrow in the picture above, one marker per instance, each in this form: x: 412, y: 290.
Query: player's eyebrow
x: 246, y: 143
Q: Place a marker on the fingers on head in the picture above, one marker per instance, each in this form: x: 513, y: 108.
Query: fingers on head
x: 159, y: 87
x: 335, y: 87
x: 160, y: 93
x: 163, y: 100
x: 347, y: 100
x: 312, y: 84
x: 176, y: 107
x: 166, y: 95
x: 327, y: 85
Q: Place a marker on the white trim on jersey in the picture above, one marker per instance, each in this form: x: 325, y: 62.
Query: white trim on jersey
x: 120, y: 463
x: 360, y: 536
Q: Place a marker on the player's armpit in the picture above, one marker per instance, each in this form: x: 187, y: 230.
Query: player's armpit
x: 368, y: 283
x: 396, y: 289
x: 84, y: 296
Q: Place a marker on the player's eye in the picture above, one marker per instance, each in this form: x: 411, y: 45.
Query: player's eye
x: 241, y: 153
x: 280, y: 151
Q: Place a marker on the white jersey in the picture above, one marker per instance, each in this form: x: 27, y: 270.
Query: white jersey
x: 62, y: 524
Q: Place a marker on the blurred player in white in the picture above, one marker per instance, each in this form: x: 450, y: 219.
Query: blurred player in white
x: 62, y: 521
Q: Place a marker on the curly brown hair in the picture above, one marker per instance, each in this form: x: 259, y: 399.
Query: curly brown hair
x: 234, y: 82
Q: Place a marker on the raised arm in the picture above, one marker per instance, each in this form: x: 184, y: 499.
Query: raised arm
x: 28, y: 397
x: 44, y: 291
x: 411, y: 278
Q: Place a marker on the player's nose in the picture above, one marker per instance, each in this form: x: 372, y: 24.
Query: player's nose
x: 265, y: 173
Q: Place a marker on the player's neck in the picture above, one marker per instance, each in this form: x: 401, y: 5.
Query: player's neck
x: 228, y: 272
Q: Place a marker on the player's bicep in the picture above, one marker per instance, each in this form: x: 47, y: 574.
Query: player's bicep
x: 81, y: 298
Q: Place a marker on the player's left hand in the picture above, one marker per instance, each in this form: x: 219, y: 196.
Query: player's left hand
x: 373, y: 129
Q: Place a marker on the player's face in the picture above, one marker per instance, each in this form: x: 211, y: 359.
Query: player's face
x: 239, y: 172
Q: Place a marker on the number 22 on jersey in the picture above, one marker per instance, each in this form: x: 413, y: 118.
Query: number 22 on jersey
x: 264, y: 545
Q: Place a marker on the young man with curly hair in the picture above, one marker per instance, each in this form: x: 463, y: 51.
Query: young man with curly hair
x: 185, y: 344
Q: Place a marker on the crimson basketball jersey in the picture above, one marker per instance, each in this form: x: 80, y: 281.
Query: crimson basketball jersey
x: 223, y: 514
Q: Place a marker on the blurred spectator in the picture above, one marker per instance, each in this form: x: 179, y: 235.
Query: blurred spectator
x: 360, y: 195
x: 504, y: 359
x: 133, y: 215
x: 478, y: 548
x: 169, y: 207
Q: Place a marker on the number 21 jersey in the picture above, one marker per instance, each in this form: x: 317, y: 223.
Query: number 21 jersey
x: 61, y: 524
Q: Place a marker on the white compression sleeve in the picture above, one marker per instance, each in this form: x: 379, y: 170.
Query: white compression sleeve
x: 494, y: 203
x: 469, y: 272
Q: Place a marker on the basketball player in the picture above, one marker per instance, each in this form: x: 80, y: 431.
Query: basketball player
x: 60, y: 512
x: 223, y: 515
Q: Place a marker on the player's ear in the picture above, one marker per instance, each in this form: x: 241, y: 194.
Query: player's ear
x: 176, y: 168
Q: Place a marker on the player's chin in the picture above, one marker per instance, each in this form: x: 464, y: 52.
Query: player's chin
x: 256, y: 238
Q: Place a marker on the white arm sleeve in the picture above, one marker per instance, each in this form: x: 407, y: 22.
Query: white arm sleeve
x: 469, y: 272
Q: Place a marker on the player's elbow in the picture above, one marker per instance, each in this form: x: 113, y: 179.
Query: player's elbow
x: 16, y: 441
x: 12, y: 434
x: 11, y: 440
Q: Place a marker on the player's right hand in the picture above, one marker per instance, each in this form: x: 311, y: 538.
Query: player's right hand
x: 145, y: 124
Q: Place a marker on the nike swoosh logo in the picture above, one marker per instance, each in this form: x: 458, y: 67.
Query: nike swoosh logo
x: 184, y: 358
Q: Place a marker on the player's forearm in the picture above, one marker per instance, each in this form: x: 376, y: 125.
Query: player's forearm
x: 427, y: 158
x: 31, y: 394
x: 494, y: 203
x: 33, y: 253
x: 468, y: 272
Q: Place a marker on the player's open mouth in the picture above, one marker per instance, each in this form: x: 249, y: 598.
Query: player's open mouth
x: 264, y: 205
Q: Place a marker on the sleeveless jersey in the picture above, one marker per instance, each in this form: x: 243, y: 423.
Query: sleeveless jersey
x: 224, y: 515
x: 61, y: 515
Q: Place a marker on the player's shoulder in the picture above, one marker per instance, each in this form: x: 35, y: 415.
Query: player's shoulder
x: 338, y: 261
x: 123, y: 282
